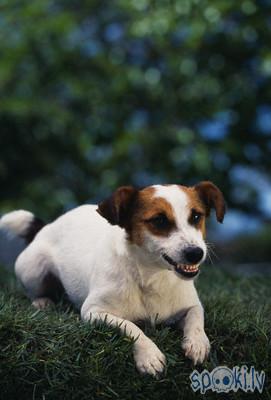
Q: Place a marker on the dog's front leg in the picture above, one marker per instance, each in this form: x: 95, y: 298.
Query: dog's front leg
x: 148, y: 358
x: 195, y: 343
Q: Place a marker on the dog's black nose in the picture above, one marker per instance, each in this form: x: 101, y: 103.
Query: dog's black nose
x: 193, y: 254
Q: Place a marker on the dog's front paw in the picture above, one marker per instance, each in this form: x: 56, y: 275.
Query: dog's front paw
x: 148, y: 358
x: 196, y: 346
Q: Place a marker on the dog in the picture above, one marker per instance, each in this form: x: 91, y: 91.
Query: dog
x: 132, y: 257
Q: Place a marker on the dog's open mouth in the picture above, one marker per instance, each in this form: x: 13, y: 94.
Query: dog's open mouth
x: 189, y: 271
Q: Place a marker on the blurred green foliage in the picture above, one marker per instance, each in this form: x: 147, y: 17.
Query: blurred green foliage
x: 253, y: 248
x: 95, y: 94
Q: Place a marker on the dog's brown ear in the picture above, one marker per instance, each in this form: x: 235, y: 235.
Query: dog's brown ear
x: 212, y: 197
x: 117, y: 209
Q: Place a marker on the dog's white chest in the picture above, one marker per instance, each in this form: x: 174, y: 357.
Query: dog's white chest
x: 155, y: 309
x: 158, y: 301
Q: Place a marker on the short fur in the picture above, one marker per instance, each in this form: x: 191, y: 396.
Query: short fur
x: 17, y: 230
x: 112, y: 263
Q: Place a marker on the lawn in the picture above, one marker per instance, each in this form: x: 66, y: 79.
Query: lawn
x: 53, y: 355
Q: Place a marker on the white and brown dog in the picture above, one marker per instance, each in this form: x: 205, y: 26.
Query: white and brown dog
x: 133, y: 257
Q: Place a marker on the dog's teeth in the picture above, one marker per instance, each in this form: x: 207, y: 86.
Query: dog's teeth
x: 187, y: 268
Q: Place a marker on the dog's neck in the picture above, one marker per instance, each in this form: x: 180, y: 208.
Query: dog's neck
x: 143, y: 268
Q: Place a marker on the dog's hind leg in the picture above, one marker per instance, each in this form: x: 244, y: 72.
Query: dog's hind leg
x: 42, y: 302
x: 35, y: 270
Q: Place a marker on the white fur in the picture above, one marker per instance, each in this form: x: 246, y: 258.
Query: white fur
x: 112, y: 280
x: 12, y: 229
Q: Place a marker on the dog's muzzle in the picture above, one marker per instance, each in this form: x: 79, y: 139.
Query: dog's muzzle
x: 188, y: 271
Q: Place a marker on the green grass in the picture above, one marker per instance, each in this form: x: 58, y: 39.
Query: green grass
x: 53, y: 355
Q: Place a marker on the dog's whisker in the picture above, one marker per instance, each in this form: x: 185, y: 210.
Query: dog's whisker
x: 209, y: 255
x: 211, y: 252
x: 214, y: 254
x: 210, y: 245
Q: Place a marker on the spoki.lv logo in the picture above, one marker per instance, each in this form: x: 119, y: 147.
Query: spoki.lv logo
x: 223, y: 379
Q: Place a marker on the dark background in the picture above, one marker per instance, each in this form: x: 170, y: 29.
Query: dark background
x: 96, y: 94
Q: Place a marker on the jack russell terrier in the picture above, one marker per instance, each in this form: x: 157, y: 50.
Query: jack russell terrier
x: 133, y: 257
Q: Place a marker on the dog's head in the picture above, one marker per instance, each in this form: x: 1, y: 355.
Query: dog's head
x: 167, y: 222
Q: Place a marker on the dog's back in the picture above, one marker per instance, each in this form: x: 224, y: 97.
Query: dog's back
x: 74, y: 249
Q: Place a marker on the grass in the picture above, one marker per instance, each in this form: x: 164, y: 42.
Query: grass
x: 53, y: 355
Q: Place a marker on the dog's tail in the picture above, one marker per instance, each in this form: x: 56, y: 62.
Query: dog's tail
x: 17, y: 230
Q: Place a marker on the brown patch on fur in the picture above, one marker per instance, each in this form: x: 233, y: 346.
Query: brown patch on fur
x: 118, y: 208
x: 195, y: 203
x: 134, y: 210
x: 146, y: 208
x: 137, y: 210
x: 211, y: 197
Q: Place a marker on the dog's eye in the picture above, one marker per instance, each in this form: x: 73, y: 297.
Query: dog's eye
x: 195, y: 217
x: 160, y: 221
